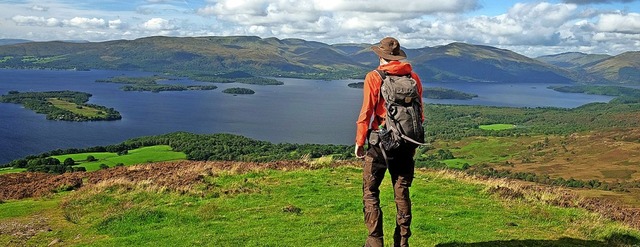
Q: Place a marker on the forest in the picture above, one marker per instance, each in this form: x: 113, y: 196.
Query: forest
x: 203, y: 147
x: 238, y: 90
x: 151, y: 84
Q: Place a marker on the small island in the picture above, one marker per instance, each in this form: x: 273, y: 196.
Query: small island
x: 432, y: 93
x: 356, y: 85
x: 231, y: 77
x: 151, y: 84
x: 238, y: 90
x: 62, y: 105
x: 445, y: 93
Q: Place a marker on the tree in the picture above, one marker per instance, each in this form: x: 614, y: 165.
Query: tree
x: 90, y: 158
x: 103, y: 166
x: 69, y: 162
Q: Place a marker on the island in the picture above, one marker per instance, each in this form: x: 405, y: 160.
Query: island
x: 445, y: 93
x: 238, y: 90
x: 231, y: 77
x: 150, y: 83
x: 62, y: 105
x: 356, y: 85
x: 432, y: 93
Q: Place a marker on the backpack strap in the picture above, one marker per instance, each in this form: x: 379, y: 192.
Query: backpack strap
x: 382, y: 73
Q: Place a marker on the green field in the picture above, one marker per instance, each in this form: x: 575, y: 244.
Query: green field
x: 77, y: 109
x: 11, y: 170
x: 478, y: 150
x: 497, y: 127
x: 136, y: 156
x: 299, y: 208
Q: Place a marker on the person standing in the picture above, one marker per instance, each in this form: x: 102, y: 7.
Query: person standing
x: 377, y: 160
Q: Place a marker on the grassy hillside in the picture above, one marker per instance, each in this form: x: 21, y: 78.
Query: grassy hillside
x: 475, y: 63
x: 621, y: 69
x: 292, y: 204
x: 573, y: 59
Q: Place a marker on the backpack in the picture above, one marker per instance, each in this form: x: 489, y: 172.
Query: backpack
x: 403, y: 123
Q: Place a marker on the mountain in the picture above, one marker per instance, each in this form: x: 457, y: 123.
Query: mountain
x: 13, y: 41
x: 215, y: 55
x: 476, y: 63
x: 623, y: 68
x: 185, y: 55
x: 573, y: 59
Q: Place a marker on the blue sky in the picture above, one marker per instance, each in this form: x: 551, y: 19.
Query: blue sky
x: 530, y: 27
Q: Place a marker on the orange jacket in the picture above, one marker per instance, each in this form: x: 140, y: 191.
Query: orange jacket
x: 372, y: 98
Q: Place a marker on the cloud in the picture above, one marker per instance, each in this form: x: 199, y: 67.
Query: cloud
x: 117, y: 24
x: 82, y: 22
x: 619, y: 23
x: 77, y: 22
x: 384, y: 6
x: 257, y: 12
x: 158, y: 24
x: 39, y: 8
x: 598, y: 1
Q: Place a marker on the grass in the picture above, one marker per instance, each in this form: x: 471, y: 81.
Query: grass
x: 478, y: 150
x: 11, y: 170
x: 302, y: 208
x: 77, y: 109
x: 497, y: 127
x: 137, y: 156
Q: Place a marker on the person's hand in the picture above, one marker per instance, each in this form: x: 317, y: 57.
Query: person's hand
x: 360, y: 153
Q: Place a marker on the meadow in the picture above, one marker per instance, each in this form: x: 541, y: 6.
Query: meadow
x: 293, y: 207
x: 136, y: 156
x: 85, y: 111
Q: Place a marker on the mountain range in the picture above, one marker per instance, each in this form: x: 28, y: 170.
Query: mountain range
x: 455, y: 62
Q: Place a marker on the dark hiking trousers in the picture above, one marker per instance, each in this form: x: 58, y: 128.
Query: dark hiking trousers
x: 401, y: 168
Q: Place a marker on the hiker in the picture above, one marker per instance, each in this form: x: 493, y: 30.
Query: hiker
x: 385, y: 149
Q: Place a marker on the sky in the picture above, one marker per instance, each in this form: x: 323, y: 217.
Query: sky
x: 529, y: 27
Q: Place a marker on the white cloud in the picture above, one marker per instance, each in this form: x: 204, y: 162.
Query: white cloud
x: 158, y: 24
x: 397, y: 6
x: 78, y: 22
x: 83, y: 22
x: 620, y: 23
x: 117, y: 24
x: 39, y: 8
x: 28, y: 20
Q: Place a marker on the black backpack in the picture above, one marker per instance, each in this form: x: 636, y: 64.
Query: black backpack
x: 403, y: 123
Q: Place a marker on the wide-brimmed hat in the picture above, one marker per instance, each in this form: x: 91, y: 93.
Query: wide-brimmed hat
x: 389, y: 49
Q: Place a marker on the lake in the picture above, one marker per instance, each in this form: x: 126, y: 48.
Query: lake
x: 300, y: 111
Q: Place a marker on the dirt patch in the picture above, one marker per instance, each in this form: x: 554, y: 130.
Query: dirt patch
x: 23, y: 231
x: 31, y: 184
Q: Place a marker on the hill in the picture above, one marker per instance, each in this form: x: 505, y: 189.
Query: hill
x: 620, y: 69
x: 475, y: 63
x: 13, y: 41
x: 247, y: 204
x: 190, y: 55
x: 206, y: 57
x: 573, y: 60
